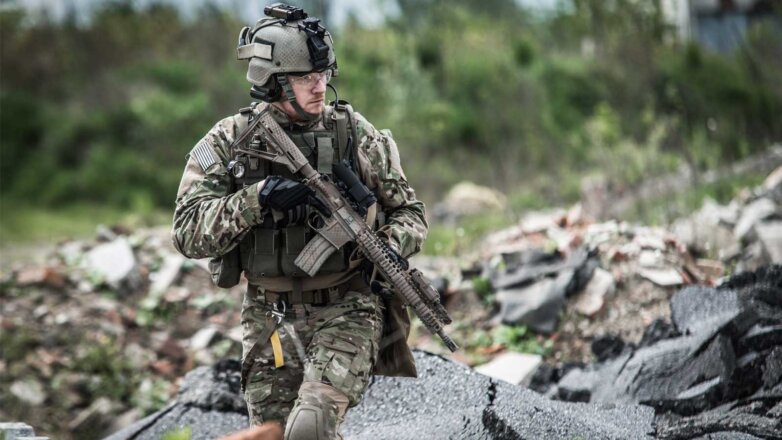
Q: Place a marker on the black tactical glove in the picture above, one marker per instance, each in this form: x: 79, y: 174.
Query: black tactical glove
x: 287, y: 195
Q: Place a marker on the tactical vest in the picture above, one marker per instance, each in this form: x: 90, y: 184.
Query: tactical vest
x: 269, y: 249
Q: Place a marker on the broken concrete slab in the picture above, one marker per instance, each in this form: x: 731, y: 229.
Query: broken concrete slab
x: 216, y: 388
x: 657, y: 331
x: 14, y: 431
x: 537, y: 305
x: 720, y: 420
x: 526, y: 267
x: 203, y: 338
x: 607, y: 346
x: 41, y: 276
x: 93, y: 421
x: 772, y: 370
x: 665, y: 277
x: 517, y: 413
x: 113, y: 262
x: 762, y: 337
x: 448, y: 400
x: 167, y: 274
x: 29, y: 391
x: 770, y: 237
x: 752, y: 214
x: 592, y: 299
x: 695, y: 382
x: 697, y: 309
x: 514, y: 368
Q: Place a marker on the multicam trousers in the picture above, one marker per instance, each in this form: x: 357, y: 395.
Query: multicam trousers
x: 336, y: 344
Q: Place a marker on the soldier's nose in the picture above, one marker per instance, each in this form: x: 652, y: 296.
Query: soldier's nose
x: 319, y: 87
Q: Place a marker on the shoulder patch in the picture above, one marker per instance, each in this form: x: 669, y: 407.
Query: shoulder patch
x: 204, y: 155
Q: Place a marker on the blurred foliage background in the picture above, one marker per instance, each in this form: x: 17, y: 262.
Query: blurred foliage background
x: 96, y: 116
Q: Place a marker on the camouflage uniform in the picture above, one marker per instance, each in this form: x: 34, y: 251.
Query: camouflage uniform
x: 340, y: 343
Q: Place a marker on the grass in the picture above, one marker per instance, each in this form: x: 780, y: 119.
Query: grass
x: 662, y: 211
x: 25, y: 224
x: 453, y: 240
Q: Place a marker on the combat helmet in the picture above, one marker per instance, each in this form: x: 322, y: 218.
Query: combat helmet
x: 287, y: 41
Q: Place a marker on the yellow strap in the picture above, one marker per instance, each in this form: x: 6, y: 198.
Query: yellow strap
x: 277, y: 348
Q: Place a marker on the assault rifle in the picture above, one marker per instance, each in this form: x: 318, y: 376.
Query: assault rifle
x: 345, y: 225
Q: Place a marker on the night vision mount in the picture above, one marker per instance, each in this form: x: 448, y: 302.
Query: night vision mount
x: 318, y: 49
x: 285, y: 12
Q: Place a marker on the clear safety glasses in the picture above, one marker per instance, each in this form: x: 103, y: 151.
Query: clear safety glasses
x: 310, y: 79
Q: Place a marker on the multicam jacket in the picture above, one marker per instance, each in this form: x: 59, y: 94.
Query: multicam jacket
x: 211, y: 218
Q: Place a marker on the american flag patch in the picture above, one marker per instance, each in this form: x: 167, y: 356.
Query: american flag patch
x: 204, y: 155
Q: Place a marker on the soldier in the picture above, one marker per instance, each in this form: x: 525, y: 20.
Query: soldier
x: 310, y: 344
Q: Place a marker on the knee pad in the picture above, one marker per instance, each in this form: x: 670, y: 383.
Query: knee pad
x: 317, y: 413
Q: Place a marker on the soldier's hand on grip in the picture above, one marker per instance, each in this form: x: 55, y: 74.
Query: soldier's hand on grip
x: 285, y: 194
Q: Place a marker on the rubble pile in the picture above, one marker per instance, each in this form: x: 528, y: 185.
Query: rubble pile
x: 560, y: 274
x: 746, y: 233
x: 98, y: 334
x: 717, y: 370
x: 448, y: 400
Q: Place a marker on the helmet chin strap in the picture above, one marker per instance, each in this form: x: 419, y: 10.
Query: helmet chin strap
x: 290, y: 96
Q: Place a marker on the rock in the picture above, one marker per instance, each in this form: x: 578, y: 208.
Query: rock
x: 41, y: 276
x: 542, y: 221
x: 650, y: 241
x: 607, y: 346
x: 167, y: 346
x: 772, y: 370
x: 216, y: 388
x: 537, y: 305
x: 93, y: 421
x: 167, y: 274
x: 695, y: 382
x: 773, y: 180
x: 448, y: 400
x: 720, y: 420
x: 751, y: 215
x: 105, y: 233
x: 29, y: 391
x: 698, y: 309
x: 577, y: 385
x: 657, y: 331
x: 125, y: 419
x: 770, y: 237
x: 662, y: 277
x: 138, y: 357
x: 592, y: 299
x: 710, y: 230
x: 526, y: 266
x: 114, y: 262
x: 163, y: 367
x: 14, y: 431
x: 649, y: 258
x: 203, y: 338
x: 467, y: 198
x: 235, y: 334
x: 514, y: 368
x: 762, y: 337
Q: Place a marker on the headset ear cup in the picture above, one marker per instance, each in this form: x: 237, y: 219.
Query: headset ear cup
x: 270, y: 93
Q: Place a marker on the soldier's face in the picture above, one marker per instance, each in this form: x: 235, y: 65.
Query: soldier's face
x: 310, y: 91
